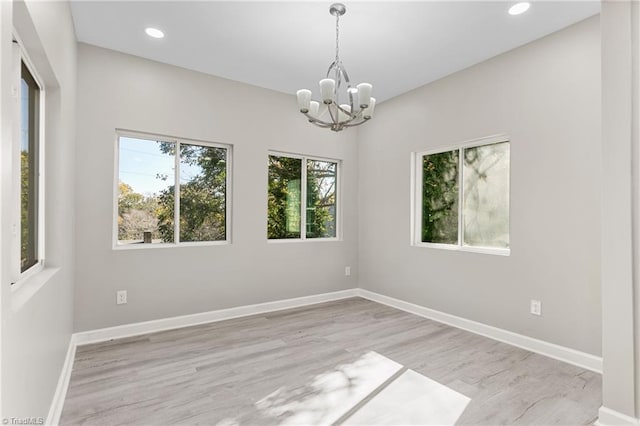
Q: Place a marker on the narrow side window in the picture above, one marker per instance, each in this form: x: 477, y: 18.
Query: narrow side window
x: 29, y: 169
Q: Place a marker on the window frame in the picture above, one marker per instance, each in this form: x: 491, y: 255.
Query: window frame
x: 303, y: 198
x: 177, y: 140
x: 416, y: 196
x: 19, y: 277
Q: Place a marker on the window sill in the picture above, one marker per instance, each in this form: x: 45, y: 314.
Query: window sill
x: 25, y: 288
x: 300, y: 240
x: 169, y: 245
x: 482, y: 250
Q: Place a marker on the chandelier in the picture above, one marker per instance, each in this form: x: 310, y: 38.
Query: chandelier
x: 333, y: 115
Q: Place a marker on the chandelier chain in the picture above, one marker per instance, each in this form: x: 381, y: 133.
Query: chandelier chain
x: 337, y: 37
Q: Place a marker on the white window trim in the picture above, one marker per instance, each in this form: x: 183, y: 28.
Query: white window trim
x: 416, y: 198
x: 18, y: 277
x: 303, y: 199
x: 156, y: 137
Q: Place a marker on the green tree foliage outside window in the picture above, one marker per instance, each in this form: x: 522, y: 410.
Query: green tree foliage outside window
x: 284, y: 198
x: 202, y: 186
x: 321, y: 199
x: 136, y: 214
x: 283, y: 201
x: 440, y: 198
x: 483, y: 215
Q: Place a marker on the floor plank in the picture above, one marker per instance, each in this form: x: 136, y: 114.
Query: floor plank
x: 324, y: 363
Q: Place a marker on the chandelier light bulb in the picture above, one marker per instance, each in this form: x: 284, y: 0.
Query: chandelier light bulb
x: 314, y: 108
x: 367, y: 114
x: 304, y: 99
x: 338, y: 116
x: 327, y: 90
x: 364, y: 94
x: 343, y: 116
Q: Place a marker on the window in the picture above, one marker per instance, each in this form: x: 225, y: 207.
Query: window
x: 462, y: 199
x: 171, y: 191
x: 302, y: 198
x: 30, y: 176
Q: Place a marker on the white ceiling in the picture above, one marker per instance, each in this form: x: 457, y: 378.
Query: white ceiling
x: 285, y: 46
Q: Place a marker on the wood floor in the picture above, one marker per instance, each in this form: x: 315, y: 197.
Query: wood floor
x: 346, y: 362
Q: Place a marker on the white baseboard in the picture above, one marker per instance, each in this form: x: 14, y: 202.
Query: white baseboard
x: 128, y: 330
x: 136, y: 329
x: 609, y: 417
x: 551, y: 350
x: 53, y: 417
x: 561, y: 353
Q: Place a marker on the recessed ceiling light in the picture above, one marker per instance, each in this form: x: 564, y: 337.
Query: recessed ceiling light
x: 519, y: 8
x: 154, y: 32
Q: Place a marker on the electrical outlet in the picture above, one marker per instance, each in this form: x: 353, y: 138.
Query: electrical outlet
x: 121, y: 297
x: 536, y: 307
x: 347, y: 271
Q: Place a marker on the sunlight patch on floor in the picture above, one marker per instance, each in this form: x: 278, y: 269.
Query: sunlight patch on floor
x: 412, y: 399
x: 372, y: 390
x: 330, y: 395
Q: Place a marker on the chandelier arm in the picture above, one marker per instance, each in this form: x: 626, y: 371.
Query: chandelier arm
x: 321, y: 125
x: 332, y: 66
x: 353, y: 118
x: 364, y: 120
x: 353, y: 115
x: 344, y: 72
x: 317, y: 121
x: 346, y: 79
x: 334, y: 119
x: 338, y: 83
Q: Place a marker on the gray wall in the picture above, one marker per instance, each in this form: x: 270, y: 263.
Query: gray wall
x: 37, y: 317
x: 122, y: 91
x: 620, y: 214
x: 546, y: 97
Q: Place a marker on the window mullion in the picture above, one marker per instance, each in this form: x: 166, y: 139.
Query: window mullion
x: 461, y: 197
x: 303, y: 199
x: 34, y: 174
x: 176, y: 196
x: 227, y: 196
x: 41, y: 175
x: 418, y: 211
